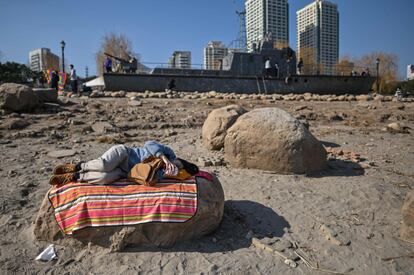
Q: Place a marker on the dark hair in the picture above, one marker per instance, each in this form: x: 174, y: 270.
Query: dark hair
x: 71, y: 65
x: 191, y: 168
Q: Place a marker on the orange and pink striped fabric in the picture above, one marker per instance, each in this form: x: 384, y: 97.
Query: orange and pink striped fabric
x: 80, y: 205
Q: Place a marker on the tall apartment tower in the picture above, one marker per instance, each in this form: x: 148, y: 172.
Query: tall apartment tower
x: 214, y: 54
x: 267, y: 18
x: 180, y: 60
x: 43, y: 59
x: 318, y: 37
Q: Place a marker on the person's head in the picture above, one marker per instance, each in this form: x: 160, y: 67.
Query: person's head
x: 71, y: 66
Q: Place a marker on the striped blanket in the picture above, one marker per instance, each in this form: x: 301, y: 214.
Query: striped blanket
x: 80, y: 205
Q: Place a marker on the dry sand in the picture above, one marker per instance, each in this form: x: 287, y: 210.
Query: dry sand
x: 363, y: 204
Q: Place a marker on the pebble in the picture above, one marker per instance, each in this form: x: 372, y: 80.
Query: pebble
x: 210, y: 161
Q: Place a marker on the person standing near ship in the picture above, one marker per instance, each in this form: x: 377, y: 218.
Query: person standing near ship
x: 300, y: 66
x: 268, y: 67
x: 108, y: 64
x: 276, y: 70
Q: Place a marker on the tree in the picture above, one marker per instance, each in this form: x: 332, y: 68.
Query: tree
x: 116, y: 45
x: 388, y: 69
x: 17, y: 73
x: 345, y: 66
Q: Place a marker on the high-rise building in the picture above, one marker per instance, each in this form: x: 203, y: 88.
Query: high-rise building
x: 267, y: 19
x: 318, y: 37
x: 43, y: 59
x: 410, y: 72
x: 214, y: 54
x: 180, y: 60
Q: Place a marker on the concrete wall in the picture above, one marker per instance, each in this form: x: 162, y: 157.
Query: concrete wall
x: 296, y: 84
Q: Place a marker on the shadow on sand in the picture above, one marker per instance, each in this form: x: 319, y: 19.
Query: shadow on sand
x: 339, y: 168
x: 239, y: 218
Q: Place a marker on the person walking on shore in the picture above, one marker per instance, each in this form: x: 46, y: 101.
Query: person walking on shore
x: 73, y: 79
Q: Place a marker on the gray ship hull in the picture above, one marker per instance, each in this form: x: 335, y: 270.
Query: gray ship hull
x: 246, y: 84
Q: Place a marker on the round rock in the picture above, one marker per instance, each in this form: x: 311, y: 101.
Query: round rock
x: 207, y: 218
x: 218, y: 121
x: 18, y: 98
x: 273, y: 140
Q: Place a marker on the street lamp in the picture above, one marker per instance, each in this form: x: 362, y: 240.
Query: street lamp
x: 62, y: 45
x: 378, y: 63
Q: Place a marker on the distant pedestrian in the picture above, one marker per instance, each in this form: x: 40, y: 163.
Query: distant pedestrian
x: 368, y: 73
x: 133, y: 65
x: 73, y: 79
x: 276, y: 70
x: 108, y: 64
x: 54, y: 80
x: 268, y: 67
x: 300, y: 66
x: 171, y: 84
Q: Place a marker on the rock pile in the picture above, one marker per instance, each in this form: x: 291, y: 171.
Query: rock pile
x: 338, y: 153
x: 271, y: 139
x: 236, y: 96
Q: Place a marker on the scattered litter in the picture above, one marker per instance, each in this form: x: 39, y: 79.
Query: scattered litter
x: 48, y: 254
x: 291, y: 263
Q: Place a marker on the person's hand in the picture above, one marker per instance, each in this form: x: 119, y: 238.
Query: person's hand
x: 169, y: 166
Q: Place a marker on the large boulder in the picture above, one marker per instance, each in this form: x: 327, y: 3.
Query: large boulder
x: 218, y: 121
x: 407, y: 226
x: 18, y: 98
x: 271, y: 139
x: 46, y: 95
x: 208, y: 217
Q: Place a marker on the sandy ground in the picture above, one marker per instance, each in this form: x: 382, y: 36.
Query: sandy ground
x: 362, y: 204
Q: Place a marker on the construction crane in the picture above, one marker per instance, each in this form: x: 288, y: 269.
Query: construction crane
x: 242, y: 38
x: 240, y: 43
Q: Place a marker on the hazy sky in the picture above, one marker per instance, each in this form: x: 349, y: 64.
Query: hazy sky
x: 158, y: 27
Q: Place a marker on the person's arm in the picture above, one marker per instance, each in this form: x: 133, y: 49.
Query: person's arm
x: 156, y: 149
x: 163, y: 152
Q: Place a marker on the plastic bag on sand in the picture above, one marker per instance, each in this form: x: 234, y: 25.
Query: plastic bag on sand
x: 48, y: 254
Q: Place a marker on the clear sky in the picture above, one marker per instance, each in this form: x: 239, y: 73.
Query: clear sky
x: 159, y: 27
